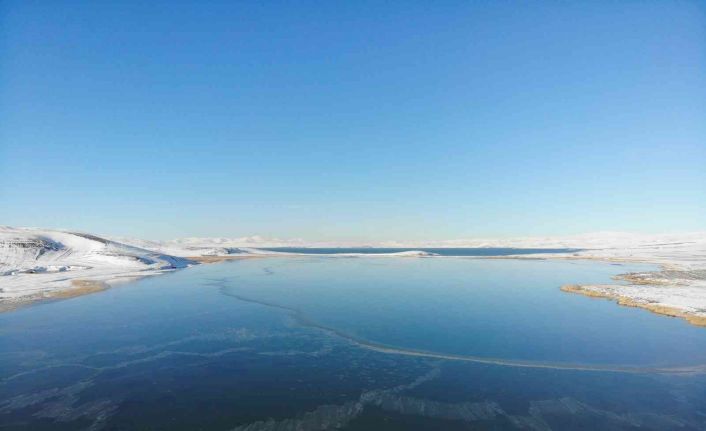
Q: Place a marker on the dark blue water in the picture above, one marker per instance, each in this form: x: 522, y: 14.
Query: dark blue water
x: 321, y: 343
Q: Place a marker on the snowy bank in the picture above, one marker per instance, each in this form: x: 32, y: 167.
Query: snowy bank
x: 677, y: 290
x: 39, y: 263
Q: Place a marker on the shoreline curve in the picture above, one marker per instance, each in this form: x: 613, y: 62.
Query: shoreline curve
x: 604, y: 292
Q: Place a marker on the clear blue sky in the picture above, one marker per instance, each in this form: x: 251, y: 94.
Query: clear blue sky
x: 353, y: 120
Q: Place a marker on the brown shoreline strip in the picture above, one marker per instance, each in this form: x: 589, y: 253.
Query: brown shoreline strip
x: 594, y: 292
x: 80, y: 287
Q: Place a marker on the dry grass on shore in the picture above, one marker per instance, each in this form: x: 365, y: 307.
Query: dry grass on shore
x: 664, y: 310
x: 78, y: 288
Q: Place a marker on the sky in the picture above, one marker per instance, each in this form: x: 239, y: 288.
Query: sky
x: 353, y: 120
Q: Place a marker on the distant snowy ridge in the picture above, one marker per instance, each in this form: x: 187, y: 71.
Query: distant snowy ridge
x: 194, y: 247
x: 688, y: 249
x: 597, y: 240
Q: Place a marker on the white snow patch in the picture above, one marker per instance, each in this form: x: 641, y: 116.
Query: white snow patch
x: 34, y: 262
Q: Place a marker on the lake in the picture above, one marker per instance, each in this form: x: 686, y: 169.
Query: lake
x: 484, y: 251
x: 358, y: 343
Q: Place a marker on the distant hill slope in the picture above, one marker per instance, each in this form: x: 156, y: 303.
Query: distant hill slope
x: 35, y: 261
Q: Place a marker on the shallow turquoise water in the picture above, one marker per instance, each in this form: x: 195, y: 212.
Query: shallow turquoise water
x: 216, y: 347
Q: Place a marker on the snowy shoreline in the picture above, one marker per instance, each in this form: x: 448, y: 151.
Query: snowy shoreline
x: 38, y: 264
x: 41, y: 264
x: 670, y: 292
x: 677, y: 289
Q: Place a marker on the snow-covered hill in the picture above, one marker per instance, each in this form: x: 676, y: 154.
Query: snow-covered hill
x: 34, y: 262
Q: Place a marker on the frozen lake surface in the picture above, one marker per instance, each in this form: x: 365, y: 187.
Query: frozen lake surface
x: 320, y: 342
